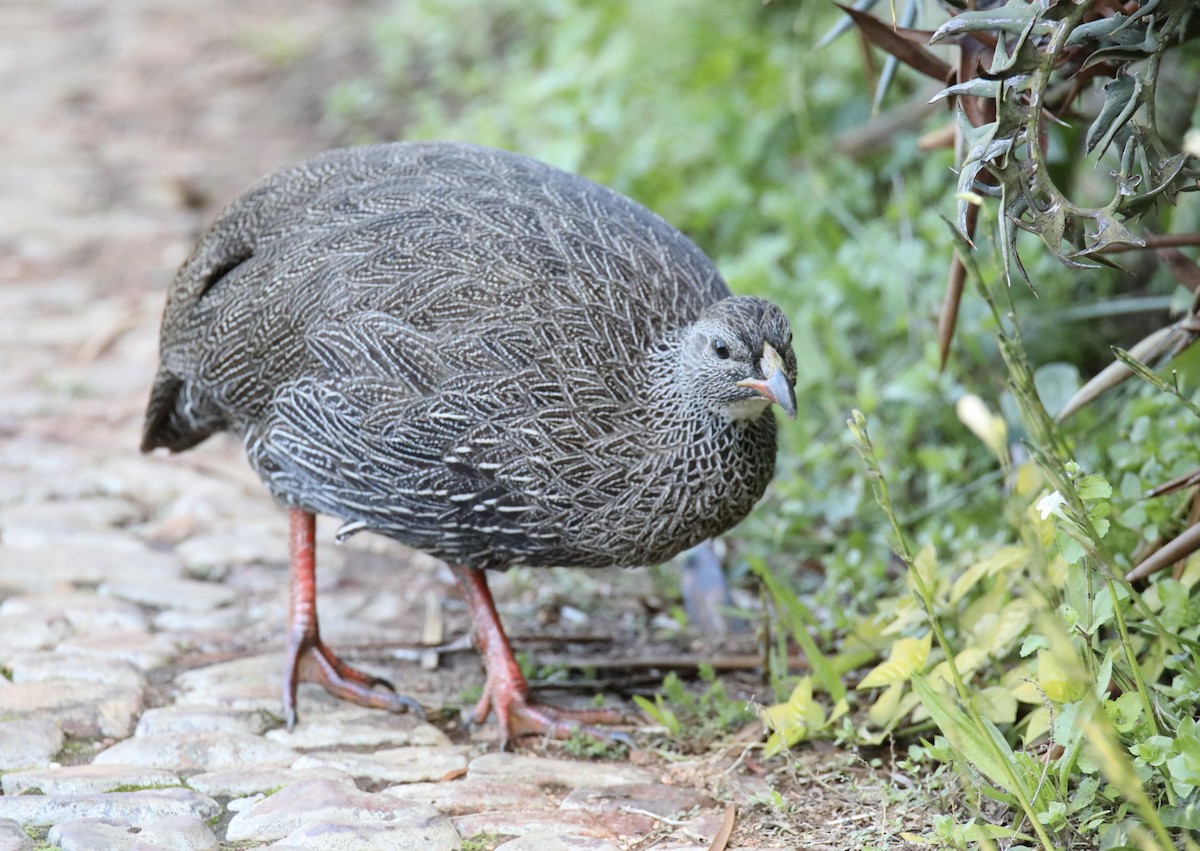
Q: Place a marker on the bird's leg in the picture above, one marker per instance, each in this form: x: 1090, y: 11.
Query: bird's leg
x: 506, y: 691
x: 308, y: 659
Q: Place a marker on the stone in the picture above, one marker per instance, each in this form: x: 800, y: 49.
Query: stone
x: 212, y: 751
x: 552, y: 841
x: 524, y: 821
x: 356, y: 729
x: 471, y: 796
x: 213, y: 554
x: 21, y: 633
x: 87, y: 834
x: 86, y: 613
x: 184, y: 718
x: 171, y: 593
x: 109, y: 545
x: 393, y: 765
x: 29, y: 743
x: 82, y: 709
x: 52, y: 564
x: 418, y: 832
x: 322, y: 801
x: 55, y: 515
x: 144, y: 650
x: 544, y: 771
x: 657, y: 798
x: 246, y: 781
x: 118, y: 807
x: 208, y: 620
x: 173, y: 833
x: 85, y: 779
x: 13, y: 837
x: 180, y: 833
x: 39, y: 667
x: 253, y: 682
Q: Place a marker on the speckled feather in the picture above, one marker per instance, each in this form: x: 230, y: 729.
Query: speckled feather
x: 468, y: 351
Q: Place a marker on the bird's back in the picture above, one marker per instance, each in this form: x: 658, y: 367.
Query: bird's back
x: 441, y: 342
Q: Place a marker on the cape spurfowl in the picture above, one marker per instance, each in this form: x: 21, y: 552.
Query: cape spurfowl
x: 482, y: 357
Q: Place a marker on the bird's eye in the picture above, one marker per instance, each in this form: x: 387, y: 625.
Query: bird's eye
x: 720, y: 349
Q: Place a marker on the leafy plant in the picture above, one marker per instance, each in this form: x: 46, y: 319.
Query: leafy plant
x: 1001, y: 639
x: 692, y: 720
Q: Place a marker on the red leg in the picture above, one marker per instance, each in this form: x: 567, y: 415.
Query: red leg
x: 308, y: 659
x: 506, y: 691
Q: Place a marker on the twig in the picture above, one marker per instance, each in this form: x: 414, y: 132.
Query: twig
x: 722, y: 838
x: 1155, y: 240
x: 637, y: 811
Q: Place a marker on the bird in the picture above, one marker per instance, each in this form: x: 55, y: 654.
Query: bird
x: 483, y: 357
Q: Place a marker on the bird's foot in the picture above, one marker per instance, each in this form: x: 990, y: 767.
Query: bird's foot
x: 309, y: 660
x: 517, y: 715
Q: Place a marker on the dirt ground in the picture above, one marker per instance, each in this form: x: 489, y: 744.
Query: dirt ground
x: 127, y: 125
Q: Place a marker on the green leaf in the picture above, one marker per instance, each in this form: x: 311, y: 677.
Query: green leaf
x: 1059, y: 678
x: 1033, y: 643
x: 997, y: 704
x: 906, y: 657
x: 1125, y: 711
x: 800, y: 619
x: 790, y: 722
x: 1122, y: 97
x: 978, y: 747
x: 1093, y: 487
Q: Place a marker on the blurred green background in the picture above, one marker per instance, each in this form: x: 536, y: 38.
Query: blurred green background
x: 727, y: 120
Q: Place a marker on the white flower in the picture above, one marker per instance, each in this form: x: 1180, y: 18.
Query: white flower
x: 1051, y: 503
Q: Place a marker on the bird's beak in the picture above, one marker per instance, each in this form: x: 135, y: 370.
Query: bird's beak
x: 775, y: 385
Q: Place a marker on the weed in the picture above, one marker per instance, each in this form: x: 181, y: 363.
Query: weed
x: 692, y: 720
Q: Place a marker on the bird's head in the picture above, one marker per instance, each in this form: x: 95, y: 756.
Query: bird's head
x: 738, y: 358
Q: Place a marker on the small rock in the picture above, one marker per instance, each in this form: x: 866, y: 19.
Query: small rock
x: 657, y: 798
x: 394, y: 765
x: 521, y: 822
x: 197, y: 752
x: 178, y: 593
x: 254, y: 682
x: 215, y: 553
x: 238, y: 805
x: 88, y: 834
x: 243, y: 782
x: 32, y: 633
x: 180, y: 833
x: 84, y: 710
x: 40, y: 667
x: 13, y: 837
x: 553, y: 772
x: 182, y: 718
x: 28, y: 743
x: 467, y: 796
x: 85, y: 779
x: 209, y: 620
x: 320, y: 802
x: 144, y: 650
x: 105, y: 544
x: 417, y: 832
x: 356, y: 729
x: 86, y: 613
x: 551, y: 841
x: 55, y: 515
x: 119, y: 807
x: 55, y: 563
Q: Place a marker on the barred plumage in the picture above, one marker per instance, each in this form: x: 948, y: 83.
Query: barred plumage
x: 476, y: 354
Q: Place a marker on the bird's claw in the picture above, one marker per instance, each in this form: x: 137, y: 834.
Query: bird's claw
x: 313, y: 662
